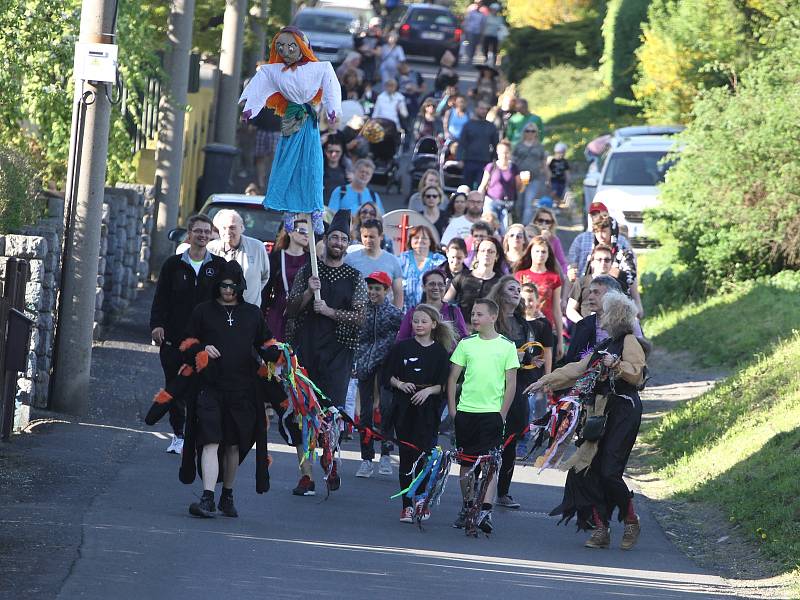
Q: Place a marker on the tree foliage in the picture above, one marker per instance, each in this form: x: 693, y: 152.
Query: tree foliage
x: 732, y: 203
x: 547, y: 13
x: 622, y: 29
x: 689, y: 47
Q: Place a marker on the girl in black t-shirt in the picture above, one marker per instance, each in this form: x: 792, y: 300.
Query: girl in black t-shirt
x: 417, y: 371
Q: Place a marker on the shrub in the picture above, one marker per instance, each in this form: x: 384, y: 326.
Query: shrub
x: 731, y: 204
x: 622, y: 29
x: 575, y: 44
x: 550, y: 12
x: 19, y: 186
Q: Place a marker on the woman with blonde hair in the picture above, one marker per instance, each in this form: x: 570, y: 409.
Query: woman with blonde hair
x: 429, y: 177
x: 417, y: 370
x: 545, y: 224
x: 616, y: 369
x: 514, y: 242
x: 511, y: 323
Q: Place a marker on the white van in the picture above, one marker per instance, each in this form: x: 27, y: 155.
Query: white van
x: 629, y: 179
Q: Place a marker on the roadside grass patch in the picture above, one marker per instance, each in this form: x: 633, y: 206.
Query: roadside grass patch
x: 732, y: 327
x: 738, y: 447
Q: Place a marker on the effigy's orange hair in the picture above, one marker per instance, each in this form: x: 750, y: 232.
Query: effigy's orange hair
x: 277, y: 101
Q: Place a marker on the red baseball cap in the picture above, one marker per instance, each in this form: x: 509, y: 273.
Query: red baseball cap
x: 380, y: 277
x: 596, y: 207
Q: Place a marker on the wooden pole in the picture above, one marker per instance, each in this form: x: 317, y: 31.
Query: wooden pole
x: 312, y: 250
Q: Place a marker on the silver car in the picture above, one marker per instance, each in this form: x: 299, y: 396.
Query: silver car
x: 329, y: 31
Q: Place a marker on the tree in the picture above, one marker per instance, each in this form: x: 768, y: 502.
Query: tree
x: 546, y: 13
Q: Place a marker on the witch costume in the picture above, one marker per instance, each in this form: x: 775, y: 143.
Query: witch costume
x: 594, y: 486
x: 293, y: 91
x: 225, y: 398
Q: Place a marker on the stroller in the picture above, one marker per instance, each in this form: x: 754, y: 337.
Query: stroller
x: 424, y: 157
x: 385, y: 151
x: 451, y: 173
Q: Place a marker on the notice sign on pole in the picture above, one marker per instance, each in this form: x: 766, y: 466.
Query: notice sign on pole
x: 96, y: 62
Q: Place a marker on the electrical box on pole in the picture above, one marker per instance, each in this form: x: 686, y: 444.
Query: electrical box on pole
x: 96, y: 62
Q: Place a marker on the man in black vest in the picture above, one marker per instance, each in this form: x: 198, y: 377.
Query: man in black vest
x: 185, y: 281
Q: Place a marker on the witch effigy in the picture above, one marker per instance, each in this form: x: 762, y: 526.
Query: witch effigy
x: 605, y: 413
x: 293, y: 83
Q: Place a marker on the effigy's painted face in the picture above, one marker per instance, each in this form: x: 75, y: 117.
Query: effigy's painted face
x: 288, y: 48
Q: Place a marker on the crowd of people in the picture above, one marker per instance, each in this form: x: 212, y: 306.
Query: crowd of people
x: 461, y: 322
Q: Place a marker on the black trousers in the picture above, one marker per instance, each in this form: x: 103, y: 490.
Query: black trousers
x: 329, y: 366
x: 516, y: 420
x: 171, y: 361
x: 414, y: 425
x: 366, y: 392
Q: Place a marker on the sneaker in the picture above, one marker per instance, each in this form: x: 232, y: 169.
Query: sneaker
x: 385, y: 465
x: 600, y: 538
x: 305, y: 487
x: 365, y: 469
x: 407, y: 515
x: 171, y: 448
x: 178, y: 445
x: 226, y: 506
x: 630, y: 535
x: 485, y: 521
x: 507, y: 502
x: 461, y: 519
x: 418, y: 510
x: 204, y: 508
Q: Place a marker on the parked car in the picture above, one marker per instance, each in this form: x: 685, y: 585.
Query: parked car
x: 629, y: 180
x: 329, y: 31
x: 426, y: 29
x: 259, y: 222
x: 361, y: 9
x: 592, y: 178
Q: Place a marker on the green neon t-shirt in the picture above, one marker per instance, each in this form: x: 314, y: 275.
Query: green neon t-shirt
x: 485, y: 364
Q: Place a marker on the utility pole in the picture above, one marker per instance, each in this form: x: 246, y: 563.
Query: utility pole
x: 230, y: 67
x: 258, y: 13
x: 85, y: 188
x: 172, y: 116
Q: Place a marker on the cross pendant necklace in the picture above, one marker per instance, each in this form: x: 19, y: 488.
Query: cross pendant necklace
x: 230, y: 317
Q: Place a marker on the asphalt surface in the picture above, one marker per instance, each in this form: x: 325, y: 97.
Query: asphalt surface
x: 93, y: 509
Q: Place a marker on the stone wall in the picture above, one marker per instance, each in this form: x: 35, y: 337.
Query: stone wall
x: 122, y: 269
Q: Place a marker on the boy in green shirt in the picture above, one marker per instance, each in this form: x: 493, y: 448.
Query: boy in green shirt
x: 489, y: 362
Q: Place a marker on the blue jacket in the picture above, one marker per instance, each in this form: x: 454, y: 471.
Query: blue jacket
x: 377, y: 336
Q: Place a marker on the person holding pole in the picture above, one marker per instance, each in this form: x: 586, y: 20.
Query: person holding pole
x: 324, y: 331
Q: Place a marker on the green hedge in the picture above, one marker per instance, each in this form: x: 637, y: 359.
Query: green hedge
x: 622, y: 30
x: 19, y: 185
x: 577, y: 44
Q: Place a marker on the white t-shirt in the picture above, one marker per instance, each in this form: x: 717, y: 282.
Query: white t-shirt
x: 458, y: 227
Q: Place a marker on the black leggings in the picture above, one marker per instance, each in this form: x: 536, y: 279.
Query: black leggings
x: 410, y: 429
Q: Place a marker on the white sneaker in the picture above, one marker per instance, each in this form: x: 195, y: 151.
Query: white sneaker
x: 178, y: 445
x: 385, y: 465
x: 171, y: 448
x: 366, y: 469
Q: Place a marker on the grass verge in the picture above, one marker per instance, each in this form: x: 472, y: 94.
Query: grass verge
x: 731, y: 328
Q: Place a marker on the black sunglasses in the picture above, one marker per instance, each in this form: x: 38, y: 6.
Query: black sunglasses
x: 544, y: 221
x: 431, y: 195
x: 230, y: 286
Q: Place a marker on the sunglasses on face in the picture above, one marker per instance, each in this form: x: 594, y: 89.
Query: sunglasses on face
x: 229, y: 286
x: 302, y: 231
x: 436, y: 196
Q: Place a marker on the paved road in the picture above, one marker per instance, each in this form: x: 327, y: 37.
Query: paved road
x: 128, y: 533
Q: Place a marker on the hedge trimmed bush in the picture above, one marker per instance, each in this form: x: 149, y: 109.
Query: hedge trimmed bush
x: 622, y: 30
x: 575, y: 44
x: 19, y: 187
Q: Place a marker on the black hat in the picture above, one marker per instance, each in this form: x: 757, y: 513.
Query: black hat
x: 232, y: 270
x: 340, y: 222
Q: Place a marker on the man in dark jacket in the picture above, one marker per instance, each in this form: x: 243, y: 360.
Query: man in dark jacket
x: 476, y: 145
x: 185, y: 281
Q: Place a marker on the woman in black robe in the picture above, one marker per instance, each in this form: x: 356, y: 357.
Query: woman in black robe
x: 227, y: 416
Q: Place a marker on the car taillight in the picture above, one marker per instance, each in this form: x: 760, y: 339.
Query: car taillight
x: 405, y: 30
x: 457, y: 34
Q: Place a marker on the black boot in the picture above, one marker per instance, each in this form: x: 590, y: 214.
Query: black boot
x: 204, y: 508
x: 225, y: 505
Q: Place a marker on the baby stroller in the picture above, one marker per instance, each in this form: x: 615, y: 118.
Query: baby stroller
x: 385, y: 150
x: 450, y: 171
x: 424, y: 157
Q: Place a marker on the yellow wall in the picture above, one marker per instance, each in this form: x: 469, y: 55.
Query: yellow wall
x: 194, y: 139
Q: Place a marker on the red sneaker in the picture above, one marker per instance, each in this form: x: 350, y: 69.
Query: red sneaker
x: 305, y: 487
x: 407, y: 515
